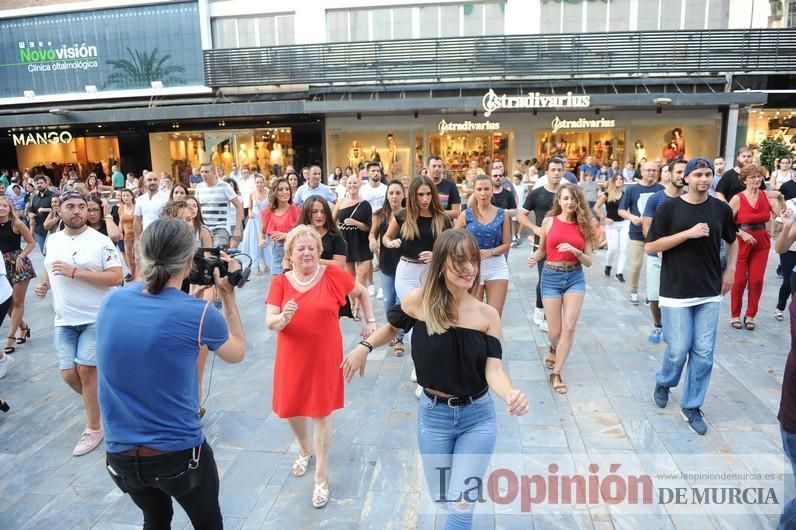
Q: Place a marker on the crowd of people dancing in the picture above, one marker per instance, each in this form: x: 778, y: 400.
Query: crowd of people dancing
x: 440, y: 249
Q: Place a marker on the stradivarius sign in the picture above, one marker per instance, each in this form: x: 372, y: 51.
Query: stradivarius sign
x: 533, y: 100
x: 581, y: 123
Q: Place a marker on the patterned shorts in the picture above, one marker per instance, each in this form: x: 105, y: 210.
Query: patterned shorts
x: 15, y: 275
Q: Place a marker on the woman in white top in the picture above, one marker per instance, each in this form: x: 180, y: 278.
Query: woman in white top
x: 783, y: 173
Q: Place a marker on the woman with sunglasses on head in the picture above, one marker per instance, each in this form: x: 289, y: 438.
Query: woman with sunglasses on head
x: 566, y: 245
x: 388, y: 257
x: 491, y: 228
x: 616, y: 226
x: 413, y: 231
x: 456, y: 349
x: 277, y: 220
x: 19, y: 269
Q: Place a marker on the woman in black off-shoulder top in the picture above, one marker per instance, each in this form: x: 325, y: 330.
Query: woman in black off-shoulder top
x: 457, y: 353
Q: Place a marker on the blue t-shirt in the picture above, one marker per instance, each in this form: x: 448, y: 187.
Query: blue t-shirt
x: 146, y: 366
x: 658, y: 198
x: 635, y: 200
x: 195, y: 179
x: 304, y: 192
x: 586, y: 168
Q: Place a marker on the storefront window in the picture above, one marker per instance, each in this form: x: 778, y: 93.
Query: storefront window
x: 82, y: 154
x: 603, y: 145
x: 267, y: 150
x: 771, y: 123
x: 457, y: 150
x: 392, y: 149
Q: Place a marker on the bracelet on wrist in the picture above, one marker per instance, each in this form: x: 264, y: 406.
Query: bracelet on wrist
x: 74, y: 271
x: 370, y: 320
x: 366, y: 344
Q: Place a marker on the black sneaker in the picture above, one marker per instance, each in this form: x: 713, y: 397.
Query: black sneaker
x: 661, y: 395
x: 620, y: 278
x: 128, y: 277
x: 607, y: 271
x: 695, y: 421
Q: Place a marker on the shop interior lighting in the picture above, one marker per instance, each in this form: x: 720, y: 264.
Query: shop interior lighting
x: 30, y: 94
x: 91, y: 89
x: 157, y: 85
x: 99, y: 126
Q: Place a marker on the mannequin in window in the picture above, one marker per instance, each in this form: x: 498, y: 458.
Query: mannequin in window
x: 276, y: 159
x: 355, y: 155
x: 374, y: 155
x: 679, y: 139
x: 392, y: 149
x: 227, y: 160
x: 215, y: 158
x: 639, y: 151
x: 243, y: 157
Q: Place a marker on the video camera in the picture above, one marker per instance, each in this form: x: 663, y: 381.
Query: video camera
x: 203, y: 266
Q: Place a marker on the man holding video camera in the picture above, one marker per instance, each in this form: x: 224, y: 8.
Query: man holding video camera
x: 148, y: 340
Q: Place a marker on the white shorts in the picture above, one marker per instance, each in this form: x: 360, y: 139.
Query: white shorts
x: 653, y: 277
x: 494, y: 268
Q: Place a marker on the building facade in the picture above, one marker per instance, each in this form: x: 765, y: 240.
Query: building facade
x: 168, y: 85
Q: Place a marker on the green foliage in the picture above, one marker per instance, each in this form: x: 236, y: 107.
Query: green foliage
x: 142, y: 69
x: 771, y: 150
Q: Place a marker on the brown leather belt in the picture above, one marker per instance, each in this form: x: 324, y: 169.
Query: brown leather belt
x: 412, y: 260
x: 145, y: 452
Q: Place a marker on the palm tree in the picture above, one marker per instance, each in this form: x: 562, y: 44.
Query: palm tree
x: 142, y: 69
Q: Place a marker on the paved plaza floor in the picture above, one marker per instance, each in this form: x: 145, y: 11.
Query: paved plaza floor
x: 375, y: 473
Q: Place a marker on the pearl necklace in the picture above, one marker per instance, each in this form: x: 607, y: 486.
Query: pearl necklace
x: 312, y: 278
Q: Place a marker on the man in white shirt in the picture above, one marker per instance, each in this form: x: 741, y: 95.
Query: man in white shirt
x: 314, y: 186
x: 81, y: 267
x: 215, y: 197
x: 374, y: 191
x: 149, y: 205
x: 246, y: 188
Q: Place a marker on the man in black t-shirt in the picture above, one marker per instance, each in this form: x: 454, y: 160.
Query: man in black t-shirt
x: 40, y: 208
x: 447, y: 190
x: 540, y: 201
x: 730, y: 183
x: 688, y: 230
x: 502, y: 197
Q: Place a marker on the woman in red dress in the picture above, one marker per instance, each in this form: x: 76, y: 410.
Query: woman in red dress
x: 752, y: 210
x: 302, y: 307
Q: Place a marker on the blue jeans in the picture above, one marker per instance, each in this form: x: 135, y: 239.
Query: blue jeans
x: 40, y: 239
x: 788, y: 519
x: 390, y: 296
x: 690, y: 335
x: 456, y: 443
x: 277, y: 256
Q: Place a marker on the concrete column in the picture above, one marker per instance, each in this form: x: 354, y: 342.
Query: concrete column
x: 732, y: 133
x: 204, y: 25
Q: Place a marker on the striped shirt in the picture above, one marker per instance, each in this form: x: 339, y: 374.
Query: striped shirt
x: 215, y: 203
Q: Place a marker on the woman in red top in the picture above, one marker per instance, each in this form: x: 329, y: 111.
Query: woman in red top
x: 302, y: 307
x: 752, y: 210
x: 278, y: 220
x: 565, y: 244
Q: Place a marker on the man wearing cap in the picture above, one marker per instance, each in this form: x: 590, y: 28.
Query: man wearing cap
x: 81, y: 267
x: 688, y: 230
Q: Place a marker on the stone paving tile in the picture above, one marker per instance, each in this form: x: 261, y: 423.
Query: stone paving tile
x: 376, y: 477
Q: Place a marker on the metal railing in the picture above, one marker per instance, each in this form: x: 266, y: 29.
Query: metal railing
x: 659, y: 53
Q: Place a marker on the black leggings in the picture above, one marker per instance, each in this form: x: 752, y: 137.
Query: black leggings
x: 152, y: 481
x: 788, y: 261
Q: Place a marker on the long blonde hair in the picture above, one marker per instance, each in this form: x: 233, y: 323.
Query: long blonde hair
x: 613, y: 192
x: 582, y: 211
x: 452, y: 247
x: 410, y: 229
x: 477, y: 209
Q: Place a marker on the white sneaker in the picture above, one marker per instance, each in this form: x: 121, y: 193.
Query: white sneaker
x: 89, y: 440
x: 538, y: 316
x: 543, y: 326
x: 380, y: 294
x: 372, y: 290
x: 418, y: 391
x: 413, y: 376
x: 5, y: 364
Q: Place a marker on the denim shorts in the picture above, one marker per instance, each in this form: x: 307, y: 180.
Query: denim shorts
x: 76, y: 345
x: 556, y: 283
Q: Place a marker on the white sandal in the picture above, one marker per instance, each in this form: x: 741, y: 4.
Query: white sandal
x: 301, y: 464
x: 320, y: 494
